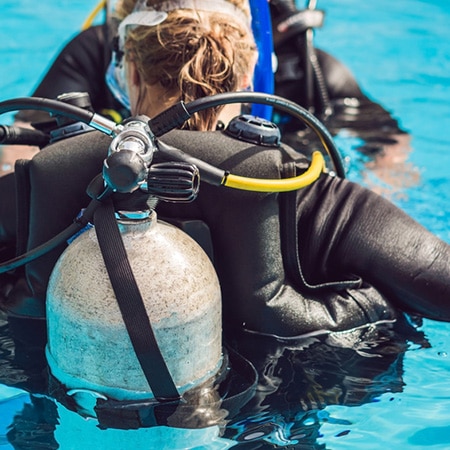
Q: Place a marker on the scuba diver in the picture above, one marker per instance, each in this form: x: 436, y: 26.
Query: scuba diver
x: 308, y: 76
x: 332, y: 256
x: 312, y: 257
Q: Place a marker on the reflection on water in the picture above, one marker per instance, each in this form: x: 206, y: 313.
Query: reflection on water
x: 298, y: 379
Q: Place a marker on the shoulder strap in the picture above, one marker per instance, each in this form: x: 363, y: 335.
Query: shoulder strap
x: 132, y: 305
x: 289, y: 242
x: 23, y: 190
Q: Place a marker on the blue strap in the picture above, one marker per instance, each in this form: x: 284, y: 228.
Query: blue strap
x: 263, y: 80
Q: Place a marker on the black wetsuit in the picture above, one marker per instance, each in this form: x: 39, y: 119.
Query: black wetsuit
x: 331, y: 256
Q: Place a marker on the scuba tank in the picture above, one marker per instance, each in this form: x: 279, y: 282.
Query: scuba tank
x: 88, y: 345
x: 134, y: 304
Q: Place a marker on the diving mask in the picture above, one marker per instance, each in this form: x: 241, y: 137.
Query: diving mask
x: 116, y: 78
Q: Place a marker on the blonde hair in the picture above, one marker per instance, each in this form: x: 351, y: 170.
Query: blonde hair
x: 193, y: 53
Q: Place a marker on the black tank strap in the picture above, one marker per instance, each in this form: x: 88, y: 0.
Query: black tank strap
x: 131, y: 304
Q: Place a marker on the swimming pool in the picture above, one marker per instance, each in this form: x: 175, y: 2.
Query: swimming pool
x: 383, y: 395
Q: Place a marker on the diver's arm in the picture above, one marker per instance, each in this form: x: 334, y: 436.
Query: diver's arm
x: 386, y: 144
x: 355, y: 231
x: 79, y: 67
x: 400, y: 257
x: 389, y: 170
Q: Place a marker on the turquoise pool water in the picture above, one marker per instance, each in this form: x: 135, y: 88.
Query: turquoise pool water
x: 374, y: 393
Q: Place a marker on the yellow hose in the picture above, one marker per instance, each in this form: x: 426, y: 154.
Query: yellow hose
x: 316, y: 167
x: 90, y: 19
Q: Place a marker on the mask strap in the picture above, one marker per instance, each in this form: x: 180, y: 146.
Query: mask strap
x: 143, y: 15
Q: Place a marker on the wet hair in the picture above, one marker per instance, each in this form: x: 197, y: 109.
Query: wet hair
x: 193, y: 54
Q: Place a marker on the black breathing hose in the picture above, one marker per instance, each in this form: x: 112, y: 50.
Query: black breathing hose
x: 13, y: 135
x: 51, y: 106
x: 54, y: 242
x: 176, y: 115
x: 56, y: 107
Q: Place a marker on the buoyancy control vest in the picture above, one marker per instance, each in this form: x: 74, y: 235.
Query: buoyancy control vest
x: 256, y: 245
x: 254, y: 235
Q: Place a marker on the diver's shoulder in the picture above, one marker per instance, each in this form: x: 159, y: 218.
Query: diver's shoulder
x: 88, y: 141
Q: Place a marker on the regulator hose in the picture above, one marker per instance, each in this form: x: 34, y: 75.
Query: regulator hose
x: 54, y: 242
x: 56, y: 107
x: 280, y: 185
x: 176, y: 115
x: 12, y: 135
x: 89, y: 21
x: 218, y: 177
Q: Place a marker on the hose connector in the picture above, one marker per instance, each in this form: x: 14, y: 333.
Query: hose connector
x: 130, y: 155
x: 137, y: 137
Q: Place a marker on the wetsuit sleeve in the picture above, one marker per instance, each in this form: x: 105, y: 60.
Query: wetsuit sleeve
x: 7, y: 209
x: 339, y: 80
x: 79, y: 67
x: 345, y: 229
